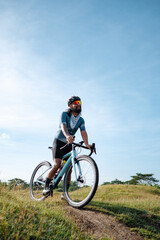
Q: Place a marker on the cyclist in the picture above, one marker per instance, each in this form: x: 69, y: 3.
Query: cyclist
x: 70, y: 122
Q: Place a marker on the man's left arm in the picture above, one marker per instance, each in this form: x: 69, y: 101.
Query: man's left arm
x: 85, y: 138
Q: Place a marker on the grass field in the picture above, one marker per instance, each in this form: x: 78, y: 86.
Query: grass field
x: 22, y: 218
x: 136, y: 206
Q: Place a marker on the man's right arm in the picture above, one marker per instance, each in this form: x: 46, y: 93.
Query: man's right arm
x: 69, y: 138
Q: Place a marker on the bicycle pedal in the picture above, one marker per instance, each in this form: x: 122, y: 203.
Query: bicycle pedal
x: 46, y: 195
x: 46, y: 192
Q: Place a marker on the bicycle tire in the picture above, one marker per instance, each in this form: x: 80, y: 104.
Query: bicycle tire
x: 36, y: 188
x: 75, y: 197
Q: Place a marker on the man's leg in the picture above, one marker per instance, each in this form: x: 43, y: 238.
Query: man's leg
x: 56, y: 166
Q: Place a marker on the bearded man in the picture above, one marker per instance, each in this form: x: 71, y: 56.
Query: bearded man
x: 70, y: 122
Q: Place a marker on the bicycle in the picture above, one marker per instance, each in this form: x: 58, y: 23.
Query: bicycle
x: 80, y: 173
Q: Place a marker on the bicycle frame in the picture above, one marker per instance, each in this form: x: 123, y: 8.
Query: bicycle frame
x: 72, y: 158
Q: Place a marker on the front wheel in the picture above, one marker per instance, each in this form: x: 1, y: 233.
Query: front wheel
x: 79, y: 192
x: 37, y: 181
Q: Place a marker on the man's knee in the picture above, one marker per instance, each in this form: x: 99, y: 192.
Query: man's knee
x: 57, y: 162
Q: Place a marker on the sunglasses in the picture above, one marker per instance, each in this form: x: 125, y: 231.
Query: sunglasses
x: 77, y: 102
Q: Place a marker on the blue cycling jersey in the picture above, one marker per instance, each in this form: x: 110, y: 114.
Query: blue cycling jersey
x: 72, y: 128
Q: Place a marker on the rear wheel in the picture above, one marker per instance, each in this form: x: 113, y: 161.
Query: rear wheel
x: 80, y: 192
x: 37, y: 181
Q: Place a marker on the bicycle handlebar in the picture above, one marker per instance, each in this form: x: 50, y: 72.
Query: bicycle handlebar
x: 80, y: 144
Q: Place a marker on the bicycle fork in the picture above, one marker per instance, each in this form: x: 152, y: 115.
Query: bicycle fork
x: 78, y: 165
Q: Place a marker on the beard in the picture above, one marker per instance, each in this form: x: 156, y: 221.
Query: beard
x: 77, y: 110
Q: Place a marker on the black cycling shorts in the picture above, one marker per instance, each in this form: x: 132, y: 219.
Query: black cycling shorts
x: 57, y: 152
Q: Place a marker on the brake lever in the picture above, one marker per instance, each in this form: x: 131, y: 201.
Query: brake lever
x: 93, y: 149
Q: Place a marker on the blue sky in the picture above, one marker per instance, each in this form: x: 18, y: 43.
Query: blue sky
x: 108, y: 53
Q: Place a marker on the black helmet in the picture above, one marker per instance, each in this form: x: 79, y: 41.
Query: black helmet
x: 72, y: 99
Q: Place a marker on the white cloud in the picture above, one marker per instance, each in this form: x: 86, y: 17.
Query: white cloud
x: 4, y: 136
x: 5, y: 142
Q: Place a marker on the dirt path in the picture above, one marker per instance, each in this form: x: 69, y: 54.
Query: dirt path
x: 101, y: 225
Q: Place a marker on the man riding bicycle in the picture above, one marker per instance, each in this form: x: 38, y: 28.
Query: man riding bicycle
x: 70, y: 122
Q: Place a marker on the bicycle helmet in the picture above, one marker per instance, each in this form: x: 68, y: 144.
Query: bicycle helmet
x: 72, y: 99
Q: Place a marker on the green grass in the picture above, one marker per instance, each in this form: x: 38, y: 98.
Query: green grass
x: 21, y: 218
x: 138, y: 207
